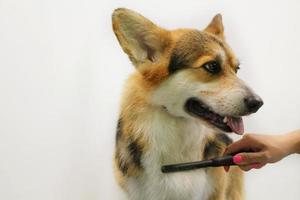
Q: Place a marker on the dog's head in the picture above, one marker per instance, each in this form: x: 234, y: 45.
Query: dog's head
x: 190, y: 73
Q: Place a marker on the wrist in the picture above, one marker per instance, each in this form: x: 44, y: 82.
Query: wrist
x: 293, y: 142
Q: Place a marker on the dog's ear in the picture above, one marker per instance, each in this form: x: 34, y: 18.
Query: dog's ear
x: 216, y: 26
x: 141, y: 39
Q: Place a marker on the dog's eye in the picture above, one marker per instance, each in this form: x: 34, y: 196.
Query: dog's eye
x: 212, y: 67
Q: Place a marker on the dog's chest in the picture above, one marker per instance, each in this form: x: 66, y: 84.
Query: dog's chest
x: 174, y: 141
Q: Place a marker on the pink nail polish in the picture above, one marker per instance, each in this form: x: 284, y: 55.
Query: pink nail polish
x: 237, y: 159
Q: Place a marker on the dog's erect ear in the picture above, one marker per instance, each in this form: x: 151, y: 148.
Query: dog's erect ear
x: 141, y: 39
x: 216, y: 26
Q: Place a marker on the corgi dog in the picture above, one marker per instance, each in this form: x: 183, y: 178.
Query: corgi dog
x: 178, y: 106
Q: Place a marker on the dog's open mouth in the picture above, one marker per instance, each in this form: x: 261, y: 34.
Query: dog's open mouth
x: 226, y: 123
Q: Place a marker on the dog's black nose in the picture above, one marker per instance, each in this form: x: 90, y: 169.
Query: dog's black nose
x: 253, y: 103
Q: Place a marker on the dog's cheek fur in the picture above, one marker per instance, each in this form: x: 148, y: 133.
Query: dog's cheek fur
x: 173, y: 93
x: 155, y: 74
x: 179, y: 87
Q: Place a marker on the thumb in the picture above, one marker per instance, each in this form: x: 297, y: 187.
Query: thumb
x: 250, y: 158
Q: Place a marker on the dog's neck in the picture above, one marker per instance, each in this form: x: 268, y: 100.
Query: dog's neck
x: 175, y: 139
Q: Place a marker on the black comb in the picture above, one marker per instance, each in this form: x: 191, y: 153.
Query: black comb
x: 216, y: 162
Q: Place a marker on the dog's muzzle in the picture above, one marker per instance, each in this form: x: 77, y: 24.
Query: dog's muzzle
x: 197, y: 108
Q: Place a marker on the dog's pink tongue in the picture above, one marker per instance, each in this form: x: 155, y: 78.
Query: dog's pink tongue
x: 236, y: 124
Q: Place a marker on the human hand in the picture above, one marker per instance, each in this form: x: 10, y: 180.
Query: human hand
x: 258, y: 150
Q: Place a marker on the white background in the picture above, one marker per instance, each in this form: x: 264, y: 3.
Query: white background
x: 61, y: 74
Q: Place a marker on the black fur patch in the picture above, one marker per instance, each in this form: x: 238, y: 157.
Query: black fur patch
x: 213, y: 147
x: 122, y: 164
x: 176, y: 63
x: 119, y: 130
x: 224, y: 138
x: 136, y: 152
x: 130, y: 149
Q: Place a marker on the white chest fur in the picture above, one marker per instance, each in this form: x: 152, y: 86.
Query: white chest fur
x: 172, y: 140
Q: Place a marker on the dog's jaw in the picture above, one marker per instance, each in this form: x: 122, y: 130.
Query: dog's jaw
x: 197, y: 108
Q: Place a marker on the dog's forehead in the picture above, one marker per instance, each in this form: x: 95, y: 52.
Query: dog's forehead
x: 195, y: 39
x: 192, y: 44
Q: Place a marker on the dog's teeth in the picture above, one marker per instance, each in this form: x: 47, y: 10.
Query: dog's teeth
x: 225, y: 119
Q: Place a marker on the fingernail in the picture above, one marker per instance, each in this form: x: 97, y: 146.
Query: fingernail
x: 237, y: 159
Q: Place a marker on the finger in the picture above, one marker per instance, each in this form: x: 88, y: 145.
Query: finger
x: 252, y: 166
x: 257, y: 165
x: 250, y: 158
x: 245, y: 167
